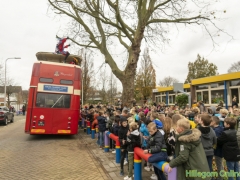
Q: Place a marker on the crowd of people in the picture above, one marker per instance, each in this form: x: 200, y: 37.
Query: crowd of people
x: 189, y: 139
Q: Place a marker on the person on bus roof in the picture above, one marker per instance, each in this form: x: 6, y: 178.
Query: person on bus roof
x: 60, y: 47
x: 75, y: 61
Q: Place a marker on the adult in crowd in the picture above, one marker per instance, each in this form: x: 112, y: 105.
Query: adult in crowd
x: 23, y: 109
x: 234, y: 102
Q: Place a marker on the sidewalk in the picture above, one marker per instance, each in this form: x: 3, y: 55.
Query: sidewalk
x: 107, y: 159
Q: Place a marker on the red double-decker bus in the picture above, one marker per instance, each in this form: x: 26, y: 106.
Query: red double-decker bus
x: 54, y: 97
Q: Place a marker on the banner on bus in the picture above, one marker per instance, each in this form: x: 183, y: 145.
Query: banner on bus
x: 55, y: 88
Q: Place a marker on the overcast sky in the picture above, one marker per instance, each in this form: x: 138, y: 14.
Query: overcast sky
x: 27, y: 28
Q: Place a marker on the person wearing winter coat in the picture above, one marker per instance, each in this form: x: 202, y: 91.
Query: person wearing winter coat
x: 115, y: 126
x: 171, y: 140
x: 208, y: 138
x: 218, y: 151
x: 101, y: 127
x: 230, y: 148
x: 189, y: 152
x: 146, y: 110
x: 114, y: 130
x: 122, y: 135
x: 133, y: 140
x: 156, y: 144
x: 94, y: 125
x: 145, y: 133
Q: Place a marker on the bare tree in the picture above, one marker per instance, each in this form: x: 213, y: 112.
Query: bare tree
x: 235, y: 67
x: 25, y: 96
x: 146, y: 76
x: 102, y: 84
x: 100, y: 24
x: 91, y: 94
x: 10, y: 90
x: 112, y: 90
x: 167, y: 81
x: 87, y: 72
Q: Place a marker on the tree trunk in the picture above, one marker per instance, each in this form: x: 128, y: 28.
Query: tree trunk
x: 128, y: 85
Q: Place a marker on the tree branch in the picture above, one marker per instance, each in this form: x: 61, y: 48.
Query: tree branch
x: 161, y: 4
x: 125, y: 27
x: 180, y: 20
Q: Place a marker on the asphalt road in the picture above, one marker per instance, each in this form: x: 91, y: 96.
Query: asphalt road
x: 24, y: 156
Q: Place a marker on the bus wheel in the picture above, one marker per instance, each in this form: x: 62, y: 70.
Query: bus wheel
x: 6, y: 121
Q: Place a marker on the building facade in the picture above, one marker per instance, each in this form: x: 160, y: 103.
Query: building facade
x: 211, y: 90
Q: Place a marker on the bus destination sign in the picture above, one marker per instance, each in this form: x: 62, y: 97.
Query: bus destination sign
x: 55, y: 88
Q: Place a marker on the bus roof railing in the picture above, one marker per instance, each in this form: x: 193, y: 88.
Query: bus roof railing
x: 58, y: 58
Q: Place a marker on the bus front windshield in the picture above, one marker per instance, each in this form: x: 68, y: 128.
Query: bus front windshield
x: 47, y: 100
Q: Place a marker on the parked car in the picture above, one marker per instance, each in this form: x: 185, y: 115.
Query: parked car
x: 5, y: 115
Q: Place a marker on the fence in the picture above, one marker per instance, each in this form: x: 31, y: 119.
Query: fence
x: 138, y: 156
x: 162, y: 165
x: 117, y: 147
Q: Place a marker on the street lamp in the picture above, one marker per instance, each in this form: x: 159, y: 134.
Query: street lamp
x: 6, y: 78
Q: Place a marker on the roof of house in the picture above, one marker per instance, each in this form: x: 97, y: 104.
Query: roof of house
x: 15, y: 89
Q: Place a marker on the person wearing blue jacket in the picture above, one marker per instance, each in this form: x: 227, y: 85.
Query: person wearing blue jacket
x: 218, y: 151
x: 144, y: 131
x: 145, y: 134
x: 159, y: 124
x: 101, y: 127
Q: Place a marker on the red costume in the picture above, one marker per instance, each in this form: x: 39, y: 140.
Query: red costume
x: 60, y: 47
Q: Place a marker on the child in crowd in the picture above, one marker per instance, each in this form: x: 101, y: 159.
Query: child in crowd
x: 236, y: 115
x: 223, y: 115
x: 156, y: 144
x: 94, y: 125
x: 189, y: 151
x: 170, y: 114
x: 101, y: 127
x: 109, y: 121
x: 161, y: 117
x: 172, y: 137
x: 115, y: 128
x: 145, y: 135
x: 144, y: 131
x: 142, y: 118
x: 133, y: 140
x: 122, y: 135
x: 167, y: 127
x: 197, y: 120
x: 230, y: 148
x: 159, y: 124
x: 208, y: 138
x: 218, y: 151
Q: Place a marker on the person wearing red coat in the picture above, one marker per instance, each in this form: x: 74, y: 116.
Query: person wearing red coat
x: 60, y: 47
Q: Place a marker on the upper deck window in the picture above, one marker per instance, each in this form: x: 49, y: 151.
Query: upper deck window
x: 68, y: 82
x: 46, y: 80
